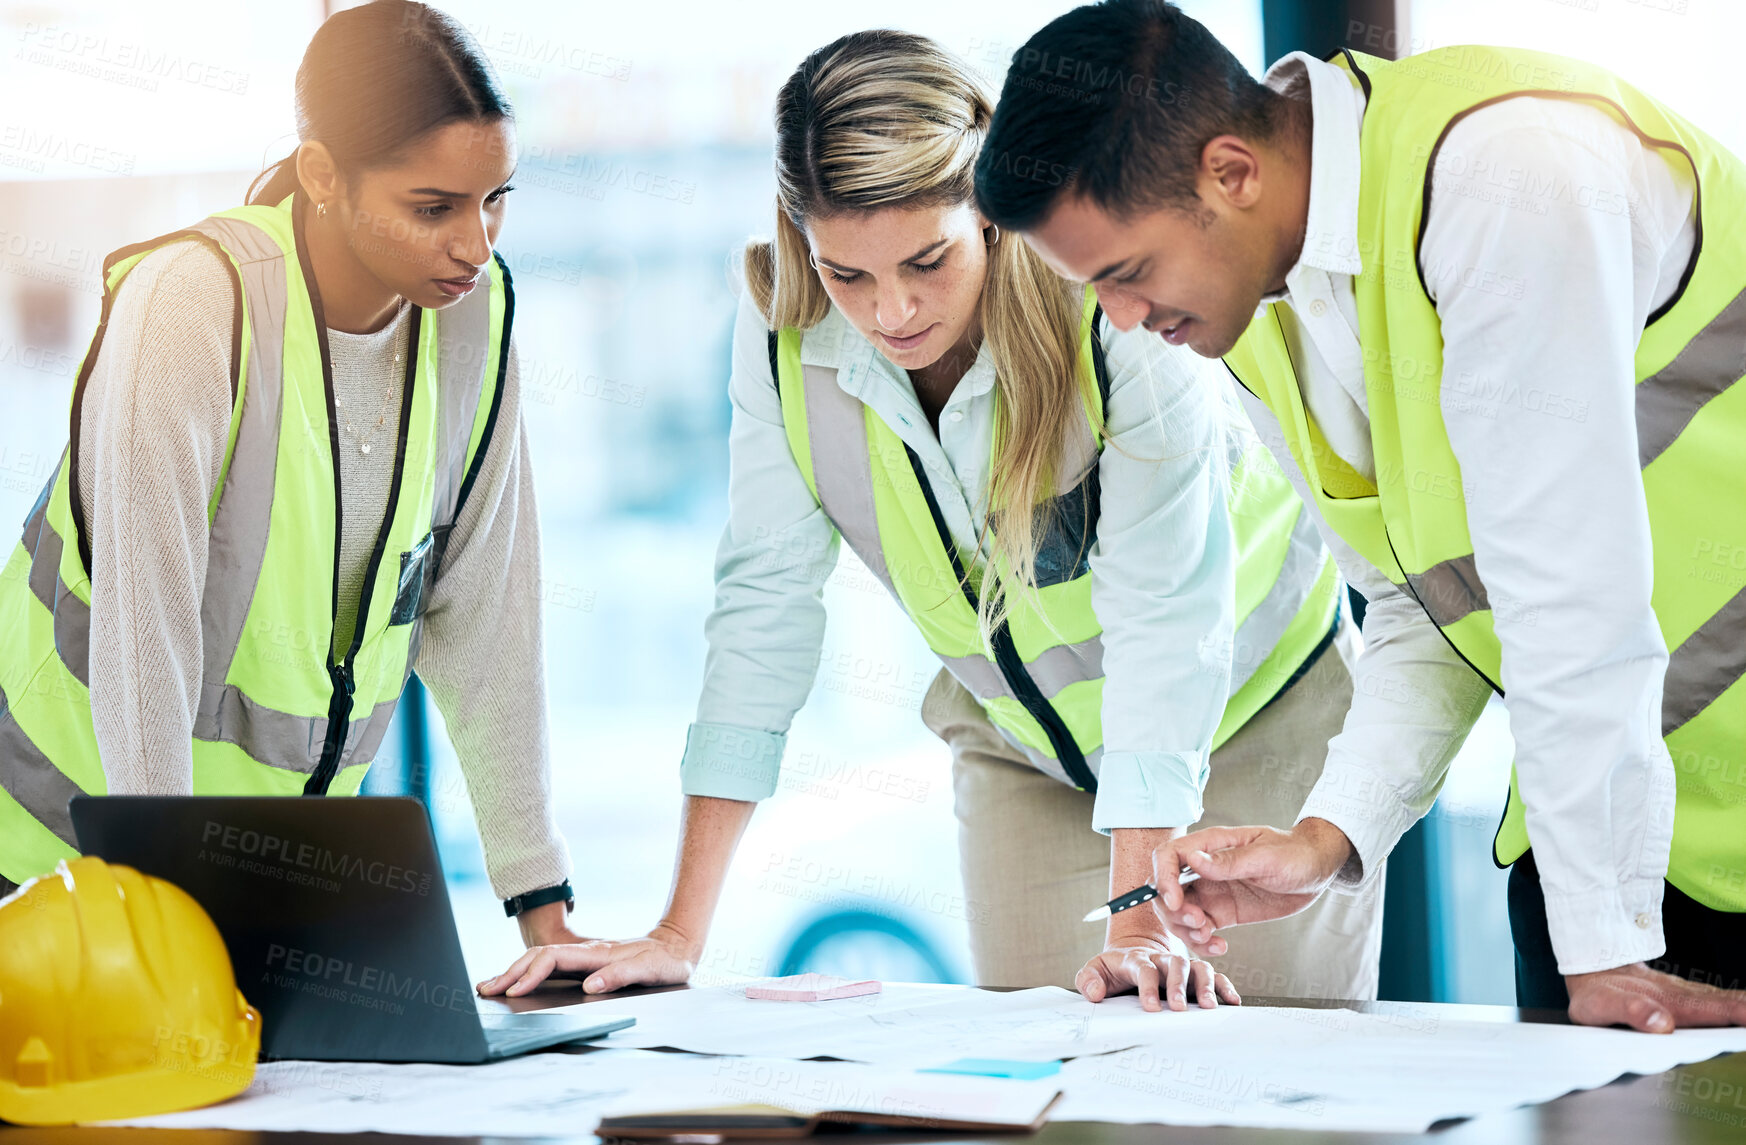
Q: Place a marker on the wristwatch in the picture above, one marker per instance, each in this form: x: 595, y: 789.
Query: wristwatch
x: 531, y: 899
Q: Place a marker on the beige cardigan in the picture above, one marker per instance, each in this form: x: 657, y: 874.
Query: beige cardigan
x: 153, y: 428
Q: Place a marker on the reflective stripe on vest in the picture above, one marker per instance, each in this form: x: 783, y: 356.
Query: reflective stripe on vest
x: 262, y: 717
x: 880, y: 499
x: 1690, y: 413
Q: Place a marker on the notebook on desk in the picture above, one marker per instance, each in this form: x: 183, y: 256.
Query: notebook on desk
x: 922, y: 1109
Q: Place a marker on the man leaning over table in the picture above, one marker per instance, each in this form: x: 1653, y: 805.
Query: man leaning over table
x: 1486, y: 307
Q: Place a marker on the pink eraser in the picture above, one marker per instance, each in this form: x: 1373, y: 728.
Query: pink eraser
x: 811, y: 988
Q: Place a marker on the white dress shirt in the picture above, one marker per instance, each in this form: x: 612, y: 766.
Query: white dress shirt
x: 1552, y: 235
x: 1162, y: 569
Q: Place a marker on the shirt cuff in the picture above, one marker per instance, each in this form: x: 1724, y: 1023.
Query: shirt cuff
x: 1370, y: 813
x: 1608, y: 927
x: 1148, y: 789
x: 723, y: 761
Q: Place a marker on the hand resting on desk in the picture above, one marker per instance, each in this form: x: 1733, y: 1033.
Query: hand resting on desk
x: 664, y: 958
x: 709, y: 830
x: 1159, y: 967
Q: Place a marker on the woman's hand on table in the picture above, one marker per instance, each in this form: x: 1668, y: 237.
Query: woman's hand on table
x: 1160, y: 968
x: 663, y: 958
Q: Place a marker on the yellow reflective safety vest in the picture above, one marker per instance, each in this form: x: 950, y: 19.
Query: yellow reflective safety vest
x: 1691, y: 426
x: 282, y: 710
x: 1041, y: 682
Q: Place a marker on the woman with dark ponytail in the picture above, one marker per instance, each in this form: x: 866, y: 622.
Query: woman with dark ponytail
x: 297, y: 473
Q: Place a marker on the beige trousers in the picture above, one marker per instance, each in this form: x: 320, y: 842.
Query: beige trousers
x: 1033, y: 866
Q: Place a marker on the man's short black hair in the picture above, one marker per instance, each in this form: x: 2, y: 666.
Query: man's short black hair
x: 1114, y: 101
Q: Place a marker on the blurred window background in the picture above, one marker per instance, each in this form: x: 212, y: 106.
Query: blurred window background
x: 645, y: 162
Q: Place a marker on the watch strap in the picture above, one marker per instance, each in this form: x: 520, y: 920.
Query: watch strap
x: 530, y: 899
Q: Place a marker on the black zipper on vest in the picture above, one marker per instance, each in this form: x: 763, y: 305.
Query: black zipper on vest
x: 1006, y: 655
x: 339, y: 668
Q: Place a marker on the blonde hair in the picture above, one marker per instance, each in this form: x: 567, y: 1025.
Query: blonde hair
x: 884, y: 119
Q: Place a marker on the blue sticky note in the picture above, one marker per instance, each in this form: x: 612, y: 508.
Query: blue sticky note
x: 999, y: 1067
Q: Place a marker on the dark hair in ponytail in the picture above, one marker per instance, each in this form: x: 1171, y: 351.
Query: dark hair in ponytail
x: 377, y: 77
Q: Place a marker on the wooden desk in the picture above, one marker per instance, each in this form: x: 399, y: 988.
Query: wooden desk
x: 1702, y: 1104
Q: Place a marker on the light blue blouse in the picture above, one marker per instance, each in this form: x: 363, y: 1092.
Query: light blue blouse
x: 1163, y: 567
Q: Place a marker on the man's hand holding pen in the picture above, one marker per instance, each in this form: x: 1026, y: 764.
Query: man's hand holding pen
x: 1246, y: 874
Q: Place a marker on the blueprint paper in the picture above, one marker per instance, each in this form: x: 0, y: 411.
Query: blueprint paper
x: 1262, y: 1067
x: 1245, y: 1066
x: 1250, y: 1066
x: 904, y: 1025
x: 810, y: 988
x: 563, y: 1094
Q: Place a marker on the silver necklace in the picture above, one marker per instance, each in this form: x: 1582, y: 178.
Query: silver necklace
x: 364, y: 443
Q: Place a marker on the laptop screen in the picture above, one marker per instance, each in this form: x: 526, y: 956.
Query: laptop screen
x: 334, y: 911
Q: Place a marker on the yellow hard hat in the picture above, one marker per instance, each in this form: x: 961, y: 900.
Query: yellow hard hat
x: 116, y: 1000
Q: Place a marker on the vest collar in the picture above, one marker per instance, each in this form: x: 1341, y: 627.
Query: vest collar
x: 1337, y: 108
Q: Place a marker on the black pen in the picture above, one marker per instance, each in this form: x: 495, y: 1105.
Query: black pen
x: 1136, y: 896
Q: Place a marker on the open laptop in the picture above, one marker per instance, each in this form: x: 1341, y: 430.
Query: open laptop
x: 337, y: 920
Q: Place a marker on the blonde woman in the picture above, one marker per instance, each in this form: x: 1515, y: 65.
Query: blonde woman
x: 1052, y: 503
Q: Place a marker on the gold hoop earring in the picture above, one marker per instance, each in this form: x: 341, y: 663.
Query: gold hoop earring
x: 321, y: 208
x: 995, y: 239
